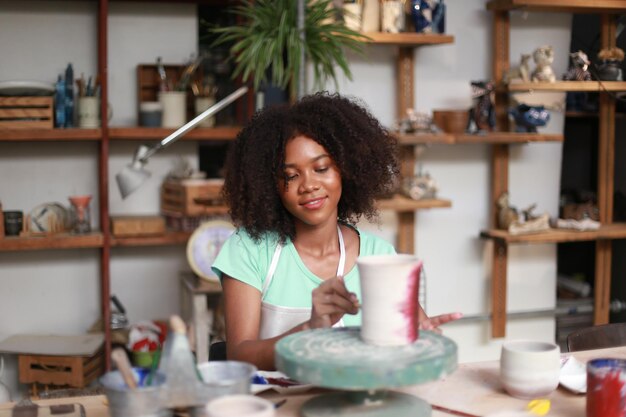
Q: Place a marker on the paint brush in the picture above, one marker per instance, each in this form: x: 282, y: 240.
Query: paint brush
x: 453, y: 412
x: 123, y: 366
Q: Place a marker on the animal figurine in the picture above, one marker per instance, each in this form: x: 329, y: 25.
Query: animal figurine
x: 520, y: 72
x: 579, y: 69
x: 482, y: 116
x: 543, y: 72
x: 507, y: 214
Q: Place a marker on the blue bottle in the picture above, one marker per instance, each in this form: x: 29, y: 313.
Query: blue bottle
x: 69, y: 96
x: 59, y: 103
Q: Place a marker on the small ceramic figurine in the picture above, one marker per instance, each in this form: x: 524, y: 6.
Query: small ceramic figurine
x: 420, y: 186
x: 416, y: 122
x: 520, y: 72
x: 543, y: 57
x: 579, y: 69
x: 482, y: 117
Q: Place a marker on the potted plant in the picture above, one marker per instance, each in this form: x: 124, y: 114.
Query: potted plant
x: 267, y: 45
x: 609, y: 68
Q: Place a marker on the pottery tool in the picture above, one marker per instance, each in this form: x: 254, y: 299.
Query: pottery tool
x: 153, y: 367
x: 338, y: 358
x: 123, y: 366
x: 183, y: 386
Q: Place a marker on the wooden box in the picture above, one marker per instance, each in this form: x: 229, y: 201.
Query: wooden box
x: 75, y: 371
x: 26, y: 112
x: 124, y: 226
x: 192, y: 197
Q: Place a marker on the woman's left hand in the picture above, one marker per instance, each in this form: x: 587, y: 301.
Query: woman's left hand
x: 433, y: 323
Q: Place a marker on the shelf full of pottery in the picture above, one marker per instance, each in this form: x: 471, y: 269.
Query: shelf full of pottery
x: 49, y: 225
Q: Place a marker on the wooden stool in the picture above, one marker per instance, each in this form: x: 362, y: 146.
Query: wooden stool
x: 199, y: 301
x: 59, y: 371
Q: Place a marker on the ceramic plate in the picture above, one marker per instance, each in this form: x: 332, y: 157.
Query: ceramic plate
x: 277, y: 381
x: 26, y: 88
x: 204, y: 245
x: 574, y: 375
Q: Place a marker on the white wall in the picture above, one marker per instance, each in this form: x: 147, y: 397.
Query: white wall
x: 57, y: 291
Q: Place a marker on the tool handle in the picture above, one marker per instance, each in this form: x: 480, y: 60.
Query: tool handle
x: 178, y: 325
x: 123, y: 366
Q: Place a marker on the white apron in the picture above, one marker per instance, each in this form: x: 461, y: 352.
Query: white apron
x: 276, y: 320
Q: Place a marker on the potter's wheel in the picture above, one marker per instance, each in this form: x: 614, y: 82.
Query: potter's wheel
x: 338, y: 358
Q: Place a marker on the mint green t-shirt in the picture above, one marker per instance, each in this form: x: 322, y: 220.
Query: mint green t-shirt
x: 248, y: 261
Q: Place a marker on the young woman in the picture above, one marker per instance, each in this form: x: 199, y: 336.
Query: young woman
x: 298, y: 179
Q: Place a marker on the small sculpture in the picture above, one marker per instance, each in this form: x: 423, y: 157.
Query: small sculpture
x: 416, y: 122
x: 529, y: 118
x: 482, y: 117
x: 420, y: 186
x: 579, y: 69
x: 510, y: 219
x: 520, y: 72
x: 543, y: 57
x: 610, y: 67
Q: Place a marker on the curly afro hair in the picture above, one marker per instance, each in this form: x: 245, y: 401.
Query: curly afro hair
x: 364, y: 152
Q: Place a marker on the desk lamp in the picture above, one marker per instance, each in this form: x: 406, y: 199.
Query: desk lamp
x: 134, y: 174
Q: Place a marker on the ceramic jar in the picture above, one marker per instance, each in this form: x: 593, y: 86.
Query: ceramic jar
x: 530, y: 369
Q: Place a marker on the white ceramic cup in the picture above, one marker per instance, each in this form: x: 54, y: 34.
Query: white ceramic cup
x: 240, y: 406
x: 174, y: 108
x: 389, y: 299
x: 203, y: 103
x: 530, y: 369
x: 89, y: 112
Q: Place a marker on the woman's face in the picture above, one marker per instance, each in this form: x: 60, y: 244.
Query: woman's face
x: 310, y: 187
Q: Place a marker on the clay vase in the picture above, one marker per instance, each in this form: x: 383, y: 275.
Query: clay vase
x: 81, y: 216
x: 530, y: 369
x: 389, y: 299
x: 610, y: 70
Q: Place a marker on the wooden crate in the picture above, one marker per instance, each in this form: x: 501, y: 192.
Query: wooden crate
x: 124, y: 226
x: 73, y: 371
x: 26, y: 112
x: 192, y: 197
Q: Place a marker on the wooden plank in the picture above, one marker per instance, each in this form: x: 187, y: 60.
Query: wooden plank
x: 158, y: 133
x: 406, y: 232
x: 169, y: 238
x: 591, y: 86
x: 424, y: 138
x: 507, y: 138
x: 44, y: 135
x: 408, y: 38
x: 498, y: 289
x: 607, y: 232
x: 400, y: 203
x: 55, y: 241
x: 572, y: 6
x: 405, y: 85
x: 499, y: 177
x: 602, y: 282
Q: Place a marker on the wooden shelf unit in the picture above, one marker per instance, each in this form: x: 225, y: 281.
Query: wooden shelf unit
x: 158, y: 133
x: 53, y: 241
x: 52, y: 135
x: 605, y: 232
x: 500, y: 152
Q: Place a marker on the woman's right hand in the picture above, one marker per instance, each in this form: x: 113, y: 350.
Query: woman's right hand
x: 331, y: 300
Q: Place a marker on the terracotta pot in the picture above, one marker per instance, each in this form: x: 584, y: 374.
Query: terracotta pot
x: 451, y: 121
